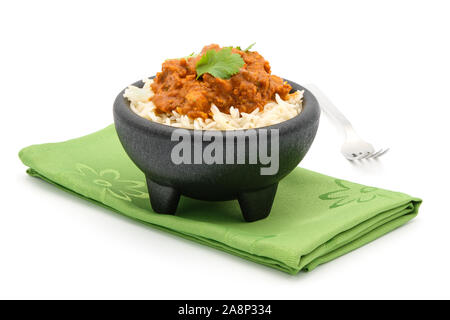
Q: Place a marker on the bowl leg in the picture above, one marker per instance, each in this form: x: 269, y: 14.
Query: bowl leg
x: 162, y: 198
x: 256, y: 205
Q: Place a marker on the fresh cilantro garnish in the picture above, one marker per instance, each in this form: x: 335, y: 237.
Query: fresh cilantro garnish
x: 249, y: 47
x: 220, y: 64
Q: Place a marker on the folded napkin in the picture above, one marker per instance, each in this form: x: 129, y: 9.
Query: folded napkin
x: 314, y: 219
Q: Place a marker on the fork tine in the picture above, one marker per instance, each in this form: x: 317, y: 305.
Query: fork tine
x: 375, y: 154
x: 364, y: 156
x: 379, y: 154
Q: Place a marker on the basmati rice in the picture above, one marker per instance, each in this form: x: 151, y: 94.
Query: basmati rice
x: 273, y: 112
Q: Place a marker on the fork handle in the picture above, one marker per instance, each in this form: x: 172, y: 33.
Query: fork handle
x: 328, y: 107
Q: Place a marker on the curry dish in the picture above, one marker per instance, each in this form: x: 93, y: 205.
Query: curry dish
x: 176, y: 87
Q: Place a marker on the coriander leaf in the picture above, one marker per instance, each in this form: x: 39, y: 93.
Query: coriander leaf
x: 239, y: 48
x: 220, y: 64
x: 249, y: 47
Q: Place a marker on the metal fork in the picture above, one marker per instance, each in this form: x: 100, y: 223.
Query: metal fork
x: 354, y: 147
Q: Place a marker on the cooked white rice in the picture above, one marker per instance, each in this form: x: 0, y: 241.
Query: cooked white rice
x: 274, y: 112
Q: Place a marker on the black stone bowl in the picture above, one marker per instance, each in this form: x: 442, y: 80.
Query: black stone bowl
x: 149, y: 146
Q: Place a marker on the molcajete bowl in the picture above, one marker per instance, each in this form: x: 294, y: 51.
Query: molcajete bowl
x: 237, y: 171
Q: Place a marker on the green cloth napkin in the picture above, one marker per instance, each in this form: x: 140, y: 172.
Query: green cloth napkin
x: 314, y: 219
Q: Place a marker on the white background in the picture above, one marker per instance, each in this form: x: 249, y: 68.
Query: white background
x: 384, y: 63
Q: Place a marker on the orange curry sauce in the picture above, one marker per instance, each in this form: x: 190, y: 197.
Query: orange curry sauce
x: 176, y: 87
